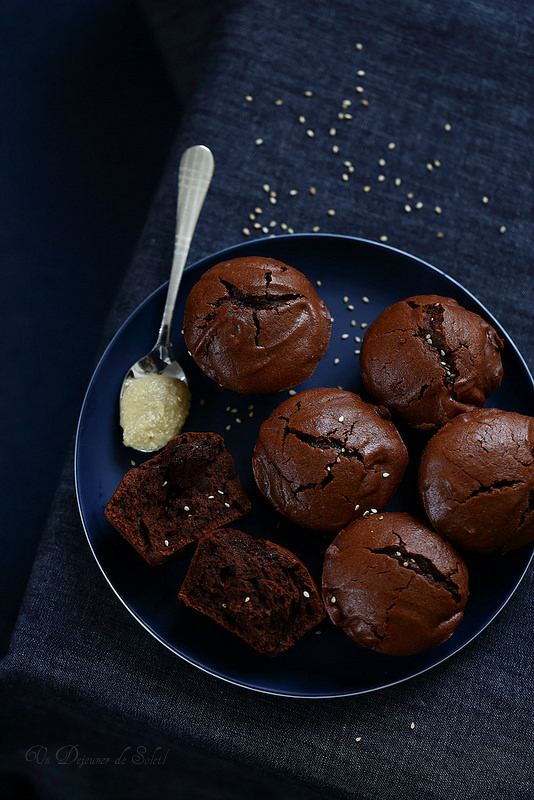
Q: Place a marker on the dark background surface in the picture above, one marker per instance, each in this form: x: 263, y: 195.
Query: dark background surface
x: 88, y: 115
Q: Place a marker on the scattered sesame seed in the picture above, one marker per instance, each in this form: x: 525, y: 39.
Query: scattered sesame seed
x: 381, y: 162
x: 364, y: 324
x: 166, y: 542
x: 407, y: 208
x: 336, y: 360
x: 279, y: 102
x: 258, y: 141
x: 260, y: 210
x: 405, y: 564
x: 437, y: 162
x: 346, y: 299
x: 437, y: 209
x: 357, y: 339
x: 247, y: 599
x: 502, y: 229
x: 332, y: 599
x: 383, y: 238
x: 365, y: 299
x: 350, y: 307
x: 391, y: 146
x: 331, y: 212
x: 419, y: 204
x: 345, y: 177
x: 353, y: 323
x: 381, y: 178
x: 335, y: 148
x: 429, y: 166
x: 246, y: 232
x: 305, y: 593
x: 356, y: 507
x: 385, y: 474
x: 359, y: 89
x: 412, y: 726
x: 302, y: 119
x: 358, y: 738
x: 164, y: 483
x: 186, y: 508
x: 347, y: 116
x: 366, y: 188
x: 319, y: 283
x: 224, y: 605
x: 357, y: 352
x: 359, y: 46
x: 310, y: 133
x: 220, y: 491
x: 485, y: 200
x: 316, y: 229
x: 360, y: 73
x: 447, y: 126
x: 344, y: 335
x: 346, y: 103
x: 313, y: 190
x: 249, y: 98
x: 332, y: 131
x: 308, y: 93
x: 341, y: 418
x: 398, y: 181
x: 228, y: 427
x: 439, y: 235
x: 365, y: 102
x: 227, y: 505
x: 292, y: 391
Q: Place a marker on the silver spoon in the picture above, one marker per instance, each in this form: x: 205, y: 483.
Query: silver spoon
x: 195, y: 173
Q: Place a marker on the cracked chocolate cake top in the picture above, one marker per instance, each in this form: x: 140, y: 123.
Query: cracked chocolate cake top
x: 256, y: 325
x: 394, y: 585
x: 428, y: 359
x: 325, y: 457
x: 476, y: 478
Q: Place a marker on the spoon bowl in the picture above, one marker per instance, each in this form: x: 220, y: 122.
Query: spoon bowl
x: 152, y: 413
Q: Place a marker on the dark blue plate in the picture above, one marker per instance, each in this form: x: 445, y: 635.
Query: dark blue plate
x: 325, y: 662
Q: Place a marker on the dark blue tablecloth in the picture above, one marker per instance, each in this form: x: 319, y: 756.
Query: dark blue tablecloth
x: 432, y: 108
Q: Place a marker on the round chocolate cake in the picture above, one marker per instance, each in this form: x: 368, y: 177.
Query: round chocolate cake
x: 476, y: 479
x: 256, y: 325
x: 393, y: 585
x: 324, y: 457
x: 428, y: 359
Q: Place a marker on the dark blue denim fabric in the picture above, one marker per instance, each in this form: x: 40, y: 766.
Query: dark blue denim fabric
x: 448, y: 91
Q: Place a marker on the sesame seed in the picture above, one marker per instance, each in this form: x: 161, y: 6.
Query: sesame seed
x: 356, y: 507
x: 359, y: 46
x: 224, y: 605
x: 246, y: 232
x: 407, y: 208
x: 211, y: 497
x: 332, y: 599
x: 308, y: 93
x: 383, y: 238
x: 381, y: 178
x: 186, y: 508
x: 381, y: 162
x: 305, y: 593
x: 313, y: 190
x: 227, y: 505
x: 332, y: 131
x: 220, y: 491
x: 350, y: 307
x: 345, y: 177
x: 391, y: 146
x: 302, y: 119
x: 429, y: 166
x: 357, y: 352
x: 249, y: 98
x: 279, y: 102
x: 398, y: 181
x: 359, y: 89
x: 360, y: 73
x: 502, y: 229
x: 437, y: 209
x: 164, y: 483
x: 336, y: 360
x: 347, y: 116
x: 439, y: 235
x: 166, y: 542
x: 412, y: 726
x: 344, y: 335
x: 335, y: 148
x: 437, y: 162
x: 358, y: 738
x: 316, y: 229
x: 341, y: 418
x: 364, y: 324
x: 346, y: 299
x: 385, y: 474
x: 419, y: 204
x: 365, y: 299
x: 331, y: 212
x: 357, y: 339
x: 365, y: 102
x: 247, y: 599
x: 292, y: 391
x: 485, y: 199
x: 447, y: 126
x: 353, y: 323
x: 228, y: 427
x: 260, y: 210
x: 258, y: 141
x: 319, y: 283
x: 366, y: 188
x: 405, y: 564
x: 310, y: 133
x: 346, y: 103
